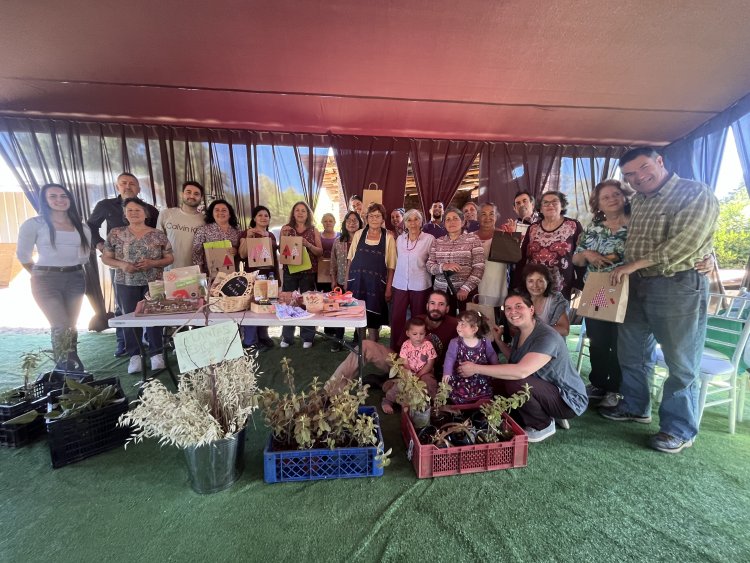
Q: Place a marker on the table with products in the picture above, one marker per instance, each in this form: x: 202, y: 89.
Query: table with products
x: 243, y: 318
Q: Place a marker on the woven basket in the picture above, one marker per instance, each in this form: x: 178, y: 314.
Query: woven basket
x: 231, y: 304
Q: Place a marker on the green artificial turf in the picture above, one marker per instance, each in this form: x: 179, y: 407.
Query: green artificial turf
x: 594, y: 493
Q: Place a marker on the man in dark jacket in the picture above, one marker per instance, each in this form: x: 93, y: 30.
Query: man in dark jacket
x: 110, y: 211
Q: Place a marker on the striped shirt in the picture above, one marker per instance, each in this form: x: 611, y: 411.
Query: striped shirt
x: 673, y: 228
x: 467, y: 252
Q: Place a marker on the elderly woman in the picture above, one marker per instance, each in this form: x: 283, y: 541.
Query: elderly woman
x: 537, y: 356
x: 372, y: 261
x: 301, y: 225
x: 494, y: 284
x: 601, y: 248
x: 63, y: 244
x: 551, y: 242
x: 221, y: 224
x: 411, y: 281
x: 139, y: 253
x: 460, y: 255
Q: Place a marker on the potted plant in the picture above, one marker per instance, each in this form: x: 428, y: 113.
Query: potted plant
x: 318, y: 435
x: 206, y: 418
x: 412, y: 394
x: 495, y: 415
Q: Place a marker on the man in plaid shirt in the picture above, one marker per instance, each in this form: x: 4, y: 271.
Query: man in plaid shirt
x: 671, y: 228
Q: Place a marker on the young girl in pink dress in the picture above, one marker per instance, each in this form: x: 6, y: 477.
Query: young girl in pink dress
x: 419, y: 355
x: 470, y: 346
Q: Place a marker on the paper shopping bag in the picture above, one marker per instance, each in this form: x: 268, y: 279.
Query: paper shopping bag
x: 373, y: 195
x: 218, y: 260
x: 603, y: 301
x: 290, y: 250
x: 259, y: 252
x: 304, y: 266
x: 182, y: 283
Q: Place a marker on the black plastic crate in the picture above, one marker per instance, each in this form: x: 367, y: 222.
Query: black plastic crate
x: 53, y: 381
x: 90, y: 433
x: 17, y: 435
x: 36, y: 402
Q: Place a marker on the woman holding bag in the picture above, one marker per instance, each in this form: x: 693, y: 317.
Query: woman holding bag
x: 301, y: 225
x: 261, y: 219
x: 221, y: 224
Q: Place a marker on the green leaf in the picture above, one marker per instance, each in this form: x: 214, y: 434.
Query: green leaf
x: 25, y: 418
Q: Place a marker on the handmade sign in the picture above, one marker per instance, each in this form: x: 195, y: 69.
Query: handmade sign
x: 202, y: 347
x: 218, y: 257
x: 603, y: 301
x: 372, y: 195
x: 290, y: 250
x: 259, y: 252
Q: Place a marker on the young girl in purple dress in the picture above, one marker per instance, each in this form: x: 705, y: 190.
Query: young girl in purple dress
x: 471, y: 345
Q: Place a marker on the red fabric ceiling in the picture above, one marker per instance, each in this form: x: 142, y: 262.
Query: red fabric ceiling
x: 579, y: 71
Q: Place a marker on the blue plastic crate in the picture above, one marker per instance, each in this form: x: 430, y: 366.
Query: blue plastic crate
x: 312, y: 465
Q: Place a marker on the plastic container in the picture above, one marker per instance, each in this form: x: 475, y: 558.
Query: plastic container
x: 430, y: 461
x: 311, y: 465
x: 17, y: 435
x: 89, y: 433
x: 216, y: 466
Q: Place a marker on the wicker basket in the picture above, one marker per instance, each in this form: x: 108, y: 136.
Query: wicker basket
x: 218, y: 302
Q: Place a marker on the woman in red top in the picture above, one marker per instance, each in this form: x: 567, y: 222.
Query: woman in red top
x: 301, y: 224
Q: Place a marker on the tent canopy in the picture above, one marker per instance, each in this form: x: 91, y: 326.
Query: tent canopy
x: 570, y: 71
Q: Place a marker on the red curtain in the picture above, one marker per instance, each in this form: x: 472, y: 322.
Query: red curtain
x: 439, y: 166
x: 362, y: 160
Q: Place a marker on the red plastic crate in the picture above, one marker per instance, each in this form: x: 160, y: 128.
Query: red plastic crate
x: 430, y: 461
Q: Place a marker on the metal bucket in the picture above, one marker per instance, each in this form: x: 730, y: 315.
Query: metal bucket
x: 216, y: 466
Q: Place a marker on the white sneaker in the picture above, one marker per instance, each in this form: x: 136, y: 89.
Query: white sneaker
x: 539, y: 435
x: 157, y: 362
x: 283, y: 344
x: 135, y: 365
x: 307, y: 345
x: 562, y: 423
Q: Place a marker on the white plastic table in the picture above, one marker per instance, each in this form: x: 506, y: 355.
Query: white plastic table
x: 244, y: 318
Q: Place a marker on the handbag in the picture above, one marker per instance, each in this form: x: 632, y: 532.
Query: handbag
x: 603, y: 301
x: 504, y: 248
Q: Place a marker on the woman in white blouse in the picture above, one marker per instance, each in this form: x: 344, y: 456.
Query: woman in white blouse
x: 63, y: 244
x: 412, y: 282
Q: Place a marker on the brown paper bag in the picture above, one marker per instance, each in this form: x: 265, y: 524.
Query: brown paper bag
x: 290, y: 250
x: 218, y: 260
x: 373, y: 195
x: 259, y: 252
x: 602, y: 300
x: 324, y: 270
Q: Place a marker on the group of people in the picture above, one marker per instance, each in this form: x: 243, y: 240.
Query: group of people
x: 418, y: 276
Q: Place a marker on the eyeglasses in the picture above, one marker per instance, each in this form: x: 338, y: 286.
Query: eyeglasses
x: 550, y: 203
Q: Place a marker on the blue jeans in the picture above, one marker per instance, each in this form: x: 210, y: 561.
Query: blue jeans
x: 129, y: 296
x: 672, y: 312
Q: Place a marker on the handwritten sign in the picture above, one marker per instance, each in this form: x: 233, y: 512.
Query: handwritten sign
x: 202, y: 347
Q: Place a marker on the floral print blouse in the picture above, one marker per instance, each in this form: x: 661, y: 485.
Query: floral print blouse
x: 126, y: 247
x: 601, y: 239
x: 211, y: 232
x: 553, y: 249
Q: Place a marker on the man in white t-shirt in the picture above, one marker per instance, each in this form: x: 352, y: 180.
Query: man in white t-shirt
x: 180, y: 224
